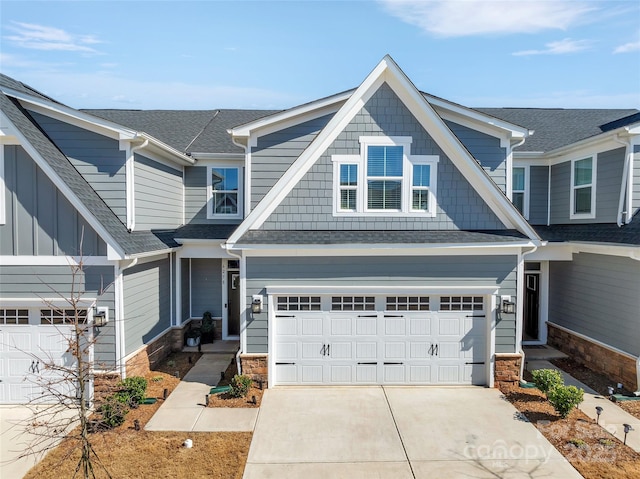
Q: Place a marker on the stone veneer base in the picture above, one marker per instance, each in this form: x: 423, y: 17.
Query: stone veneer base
x: 255, y: 366
x: 507, y: 368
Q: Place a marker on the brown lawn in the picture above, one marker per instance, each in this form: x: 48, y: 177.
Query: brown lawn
x: 127, y: 453
x: 226, y: 400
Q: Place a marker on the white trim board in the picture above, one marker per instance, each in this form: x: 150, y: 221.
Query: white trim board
x: 377, y: 290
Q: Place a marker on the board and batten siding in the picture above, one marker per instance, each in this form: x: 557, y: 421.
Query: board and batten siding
x: 147, y: 303
x: 609, y: 169
x: 195, y: 197
x: 57, y: 282
x: 597, y: 295
x: 40, y: 221
x: 335, y: 272
x: 309, y: 205
x: 538, y: 195
x: 275, y: 153
x: 206, y: 287
x: 98, y: 158
x: 158, y: 194
x: 486, y: 149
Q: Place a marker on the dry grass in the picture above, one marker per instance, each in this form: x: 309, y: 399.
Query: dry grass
x: 127, y: 453
x: 594, y: 452
x: 226, y: 400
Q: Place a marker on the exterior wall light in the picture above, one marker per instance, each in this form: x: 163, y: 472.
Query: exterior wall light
x: 627, y: 430
x: 598, y: 412
x: 256, y: 303
x: 506, y: 305
x: 100, y: 316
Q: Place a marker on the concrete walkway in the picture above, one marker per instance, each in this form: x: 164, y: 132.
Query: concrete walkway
x: 184, y: 409
x: 397, y: 432
x: 613, y: 417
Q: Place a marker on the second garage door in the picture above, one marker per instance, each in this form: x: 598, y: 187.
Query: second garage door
x: 379, y: 340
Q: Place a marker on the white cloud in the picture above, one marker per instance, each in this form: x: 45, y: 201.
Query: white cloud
x: 560, y: 47
x: 459, y: 18
x: 628, y: 47
x: 42, y: 37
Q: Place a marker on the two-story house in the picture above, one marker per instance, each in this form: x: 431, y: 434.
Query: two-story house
x: 378, y: 236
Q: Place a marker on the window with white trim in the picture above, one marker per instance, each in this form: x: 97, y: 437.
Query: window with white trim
x: 385, y: 178
x: 461, y: 303
x: 407, y: 303
x: 298, y: 303
x: 353, y: 303
x: 224, y: 185
x: 62, y: 316
x: 518, y: 189
x: 583, y: 198
x: 14, y: 316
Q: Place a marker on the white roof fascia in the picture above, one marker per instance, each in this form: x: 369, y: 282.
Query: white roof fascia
x: 292, y: 116
x: 97, y: 125
x: 66, y: 191
x: 388, y: 71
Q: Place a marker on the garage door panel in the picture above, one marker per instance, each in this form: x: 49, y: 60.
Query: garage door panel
x: 312, y: 350
x: 420, y: 326
x: 19, y: 341
x: 449, y: 374
x: 394, y: 373
x: 341, y: 327
x: 366, y: 350
x: 394, y: 326
x: 287, y: 326
x: 449, y: 326
x: 287, y: 373
x: 420, y: 350
x: 341, y: 350
x: 449, y: 350
x: 341, y: 374
x: 311, y: 326
x: 367, y: 373
x: 366, y: 326
x: 286, y: 350
x: 420, y: 374
x: 395, y: 350
x: 312, y: 374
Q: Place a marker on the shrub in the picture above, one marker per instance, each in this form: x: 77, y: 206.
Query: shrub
x: 132, y: 391
x: 565, y: 398
x: 240, y: 386
x: 112, y: 412
x: 547, y: 379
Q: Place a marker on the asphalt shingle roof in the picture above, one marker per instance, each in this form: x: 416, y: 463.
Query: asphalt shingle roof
x: 378, y: 237
x: 194, y: 231
x: 8, y: 82
x: 557, y: 127
x: 593, y: 233
x: 131, y: 243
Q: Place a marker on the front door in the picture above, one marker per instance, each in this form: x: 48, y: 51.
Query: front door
x: 531, y: 306
x: 233, y: 303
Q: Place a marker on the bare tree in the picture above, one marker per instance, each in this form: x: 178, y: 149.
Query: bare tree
x: 62, y: 410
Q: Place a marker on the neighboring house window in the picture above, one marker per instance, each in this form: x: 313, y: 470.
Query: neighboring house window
x: 518, y: 190
x: 385, y: 178
x: 583, y: 188
x: 224, y: 192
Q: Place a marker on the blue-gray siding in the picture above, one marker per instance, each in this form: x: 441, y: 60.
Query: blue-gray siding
x: 195, y: 197
x: 147, y: 295
x: 206, y: 287
x: 309, y: 205
x: 158, y: 195
x: 608, y: 182
x: 275, y: 152
x: 538, y: 194
x: 486, y: 149
x: 636, y: 179
x: 336, y: 272
x: 39, y: 219
x: 597, y: 295
x: 56, y: 282
x: 98, y: 159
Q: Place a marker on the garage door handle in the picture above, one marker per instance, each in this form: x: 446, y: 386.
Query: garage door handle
x: 370, y: 363
x: 474, y: 316
x: 391, y: 363
x: 279, y: 364
x: 285, y: 316
x: 393, y: 316
x: 367, y: 315
x: 477, y: 362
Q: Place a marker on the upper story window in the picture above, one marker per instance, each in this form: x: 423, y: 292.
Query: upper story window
x: 583, y: 180
x: 518, y: 190
x: 224, y: 195
x: 385, y: 178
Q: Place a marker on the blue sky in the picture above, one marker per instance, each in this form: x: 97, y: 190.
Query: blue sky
x: 268, y: 54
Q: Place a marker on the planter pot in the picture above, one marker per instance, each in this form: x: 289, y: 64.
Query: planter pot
x: 192, y: 342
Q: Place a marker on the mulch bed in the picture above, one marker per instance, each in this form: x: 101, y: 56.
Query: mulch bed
x: 598, y: 382
x: 592, y: 450
x: 226, y: 400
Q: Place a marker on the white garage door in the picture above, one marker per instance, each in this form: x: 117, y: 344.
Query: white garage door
x: 30, y: 338
x: 380, y: 340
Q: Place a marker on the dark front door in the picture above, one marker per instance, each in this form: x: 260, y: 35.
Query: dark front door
x: 233, y: 303
x: 531, y: 306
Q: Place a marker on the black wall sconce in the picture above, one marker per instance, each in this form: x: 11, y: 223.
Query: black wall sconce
x: 100, y: 316
x: 507, y: 306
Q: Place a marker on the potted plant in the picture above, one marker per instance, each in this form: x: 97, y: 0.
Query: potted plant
x: 193, y: 337
x: 207, y: 328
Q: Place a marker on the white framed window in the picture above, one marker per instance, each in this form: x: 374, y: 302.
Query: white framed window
x: 62, y: 316
x: 583, y: 188
x: 519, y: 187
x: 385, y: 178
x: 224, y: 192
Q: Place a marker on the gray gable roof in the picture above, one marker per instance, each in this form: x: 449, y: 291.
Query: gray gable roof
x: 190, y: 131
x: 557, y: 127
x: 8, y: 82
x: 593, y: 233
x: 131, y: 243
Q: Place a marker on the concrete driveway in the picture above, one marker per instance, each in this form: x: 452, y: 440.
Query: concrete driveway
x: 397, y: 432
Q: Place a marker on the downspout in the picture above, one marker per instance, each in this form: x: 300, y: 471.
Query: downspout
x: 119, y: 323
x: 628, y: 154
x: 130, y: 179
x: 521, y: 351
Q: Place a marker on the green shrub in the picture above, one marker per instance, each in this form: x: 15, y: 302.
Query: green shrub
x: 112, y: 412
x: 132, y: 391
x: 565, y: 398
x: 240, y: 386
x: 547, y: 379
